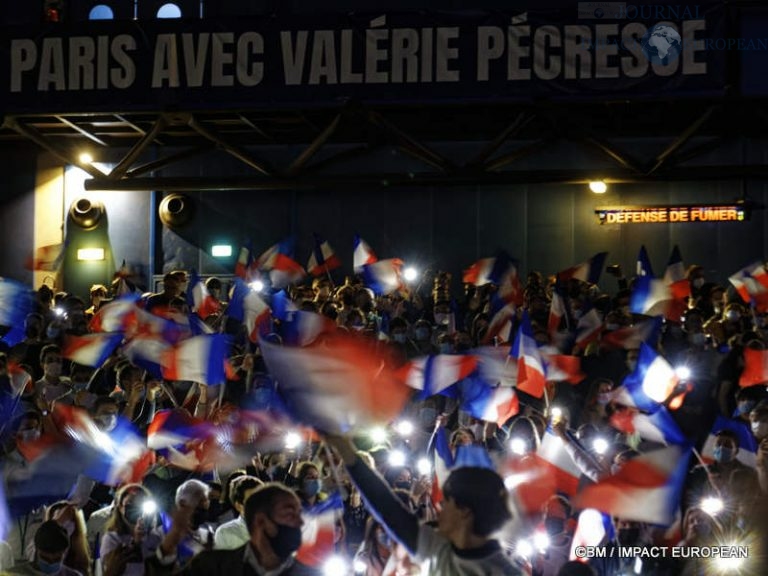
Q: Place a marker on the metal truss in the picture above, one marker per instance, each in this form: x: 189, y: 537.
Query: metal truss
x: 500, y: 137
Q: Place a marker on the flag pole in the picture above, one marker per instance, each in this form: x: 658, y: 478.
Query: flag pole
x: 706, y: 469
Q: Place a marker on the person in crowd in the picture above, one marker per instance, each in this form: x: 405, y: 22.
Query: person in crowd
x: 71, y: 518
x: 53, y: 386
x: 235, y: 533
x: 375, y: 550
x: 474, y: 507
x: 308, y: 485
x: 50, y: 551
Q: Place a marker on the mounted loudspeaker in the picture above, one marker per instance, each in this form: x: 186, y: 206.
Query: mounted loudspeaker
x: 175, y: 210
x: 86, y: 213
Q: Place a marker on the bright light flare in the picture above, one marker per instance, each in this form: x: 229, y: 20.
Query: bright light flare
x: 396, y: 458
x: 85, y: 158
x: 404, y: 427
x: 518, y: 446
x: 410, y: 274
x: 726, y: 565
x: 359, y: 567
x: 335, y: 566
x: 257, y: 285
x: 541, y: 541
x: 378, y: 435
x: 149, y: 508
x: 292, y: 440
x: 524, y: 549
x: 58, y: 311
x: 683, y: 372
x: 600, y: 446
x: 712, y: 506
x: 598, y: 186
x: 424, y: 466
x: 556, y: 412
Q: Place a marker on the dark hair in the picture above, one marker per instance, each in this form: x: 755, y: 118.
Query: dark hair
x: 242, y: 486
x: 51, y: 537
x: 575, y: 568
x: 49, y: 348
x: 725, y: 433
x: 482, y: 491
x: 263, y: 501
x: 304, y: 469
x: 116, y: 522
x: 102, y: 401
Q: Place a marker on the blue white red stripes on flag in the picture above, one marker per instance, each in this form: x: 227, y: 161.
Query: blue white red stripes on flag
x: 530, y: 364
x: 755, y: 372
x: 675, y: 277
x: 751, y: 283
x: 657, y: 427
x: 434, y: 374
x: 593, y: 528
x: 563, y: 368
x: 244, y: 261
x: 747, y: 453
x: 495, y: 404
x: 113, y: 317
x: 652, y: 382
x: 279, y: 263
x: 147, y: 353
x: 362, y: 254
x: 644, y: 267
x: 91, y: 349
x: 323, y: 258
x: 197, y: 359
x: 248, y: 307
x: 16, y: 301
x: 318, y: 532
x: 650, y: 296
x: 557, y: 311
x: 631, y: 337
x: 563, y: 468
x: 383, y: 276
x: 338, y: 387
x: 502, y: 324
x: 588, y: 271
x: 174, y: 428
x: 645, y: 489
x: 306, y: 327
x: 588, y: 328
x: 494, y: 365
x: 199, y: 299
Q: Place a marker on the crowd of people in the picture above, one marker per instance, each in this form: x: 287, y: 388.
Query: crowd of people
x: 393, y: 511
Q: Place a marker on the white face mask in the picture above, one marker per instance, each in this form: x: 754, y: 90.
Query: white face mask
x: 759, y: 429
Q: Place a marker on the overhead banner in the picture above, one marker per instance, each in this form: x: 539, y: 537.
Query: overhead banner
x: 673, y: 214
x: 567, y: 54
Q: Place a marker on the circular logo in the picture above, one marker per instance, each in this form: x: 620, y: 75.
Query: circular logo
x: 661, y: 44
x: 599, y: 13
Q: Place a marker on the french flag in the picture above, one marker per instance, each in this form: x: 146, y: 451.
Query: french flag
x: 306, y: 327
x: 530, y: 364
x: 657, y: 427
x: 563, y: 468
x: 592, y: 529
x: 139, y: 322
x: 318, y: 531
x: 147, y: 353
x: 755, y: 368
x: 588, y: 328
x: 383, y: 277
x: 283, y: 269
x: 651, y: 296
x: 174, y: 428
x: 645, y: 489
x: 652, y: 382
x: 562, y: 368
x: 588, y: 271
x: 486, y: 271
x: 91, y: 349
x: 16, y: 301
x: 244, y: 262
x: 491, y: 404
x: 502, y: 322
x: 643, y: 263
x: 557, y: 312
x: 747, y: 444
x: 247, y: 306
x: 751, y: 283
x: 433, y: 374
x: 323, y: 258
x: 494, y: 367
x: 674, y: 276
x: 631, y: 337
x: 198, y: 359
x: 363, y: 255
x: 113, y: 316
x: 199, y: 299
x: 337, y: 387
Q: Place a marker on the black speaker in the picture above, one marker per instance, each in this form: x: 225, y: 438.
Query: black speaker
x: 86, y: 213
x: 176, y: 210
x: 149, y: 9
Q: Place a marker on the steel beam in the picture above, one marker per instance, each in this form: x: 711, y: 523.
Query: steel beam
x: 680, y: 141
x: 316, y: 144
x: 137, y: 149
x: 232, y: 149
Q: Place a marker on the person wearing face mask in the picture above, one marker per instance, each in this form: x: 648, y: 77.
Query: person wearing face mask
x: 69, y: 517
x: 51, y: 546
x: 53, y: 386
x: 557, y: 526
x: 375, y: 550
x: 16, y: 468
x: 273, y: 515
x: 422, y: 335
x: 131, y: 536
x: 309, y: 485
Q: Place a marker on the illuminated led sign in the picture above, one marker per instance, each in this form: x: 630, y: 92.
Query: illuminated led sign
x: 672, y: 214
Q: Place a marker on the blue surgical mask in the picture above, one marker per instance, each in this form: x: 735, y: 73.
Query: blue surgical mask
x: 49, y: 567
x: 399, y: 338
x: 445, y: 348
x: 383, y: 539
x: 421, y: 334
x: 311, y: 487
x: 722, y: 454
